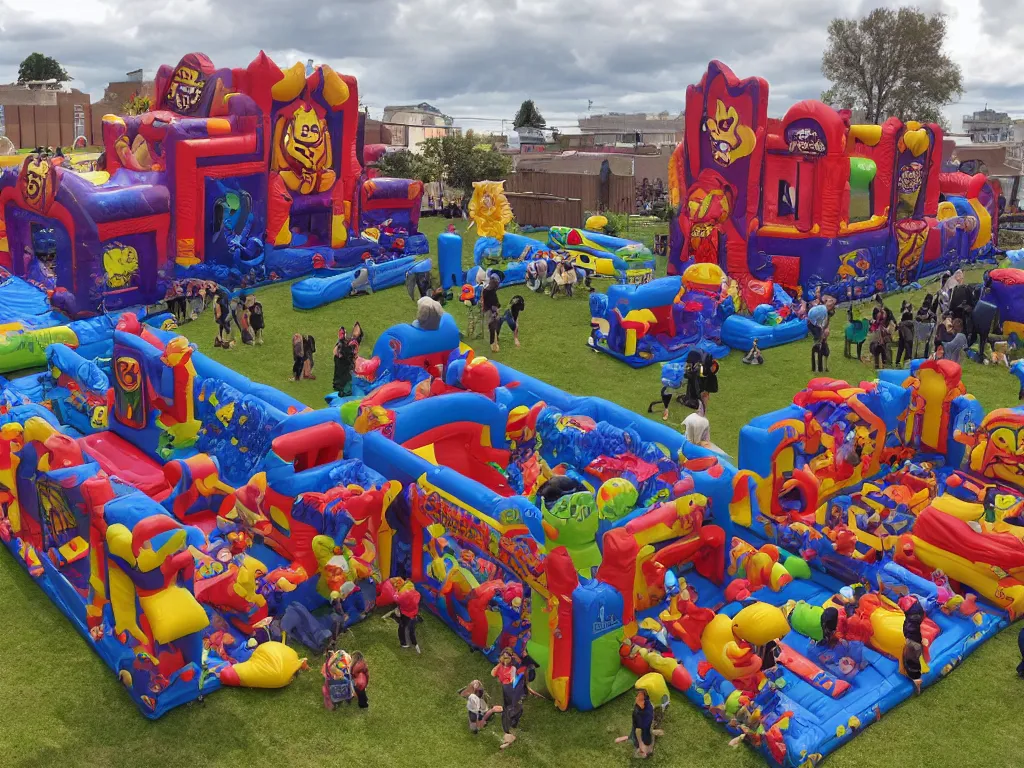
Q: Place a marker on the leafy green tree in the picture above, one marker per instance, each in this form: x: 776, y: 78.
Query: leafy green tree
x: 528, y: 116
x: 402, y: 164
x: 891, y: 63
x: 459, y: 160
x: 38, y: 66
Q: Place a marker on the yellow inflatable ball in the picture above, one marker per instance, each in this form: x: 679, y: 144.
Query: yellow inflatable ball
x: 272, y: 665
x: 759, y: 623
x: 596, y: 223
x: 656, y: 687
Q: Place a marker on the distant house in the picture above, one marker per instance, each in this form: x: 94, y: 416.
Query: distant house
x: 988, y: 127
x: 619, y: 128
x: 411, y: 124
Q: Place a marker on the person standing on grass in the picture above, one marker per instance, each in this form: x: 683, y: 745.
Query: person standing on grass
x: 256, y: 321
x: 308, y: 348
x: 408, y: 613
x: 360, y: 678
x: 298, y: 356
x: 491, y: 307
x: 222, y: 314
x: 956, y: 346
x: 513, y: 691
x: 344, y: 361
x: 905, y: 342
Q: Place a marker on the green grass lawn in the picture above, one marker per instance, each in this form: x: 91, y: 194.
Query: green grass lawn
x: 63, y: 706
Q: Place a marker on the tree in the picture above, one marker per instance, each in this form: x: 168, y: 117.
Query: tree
x: 891, y: 63
x: 528, y: 116
x: 37, y: 66
x: 459, y: 160
x: 402, y: 164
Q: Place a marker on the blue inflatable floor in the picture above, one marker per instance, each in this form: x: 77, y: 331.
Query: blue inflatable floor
x: 22, y: 302
x: 820, y: 723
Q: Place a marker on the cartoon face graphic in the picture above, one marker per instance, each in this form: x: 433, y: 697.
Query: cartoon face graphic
x: 1000, y: 450
x: 38, y: 183
x: 121, y: 264
x: 186, y: 89
x: 304, y: 152
x: 730, y: 139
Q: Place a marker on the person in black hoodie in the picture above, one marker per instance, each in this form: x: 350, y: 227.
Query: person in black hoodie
x: 905, y: 340
x: 692, y: 374
x: 344, y: 361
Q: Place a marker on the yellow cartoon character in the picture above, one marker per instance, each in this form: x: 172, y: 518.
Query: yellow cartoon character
x: 302, y: 152
x: 998, y: 450
x: 730, y: 139
x: 121, y: 264
x: 489, y: 208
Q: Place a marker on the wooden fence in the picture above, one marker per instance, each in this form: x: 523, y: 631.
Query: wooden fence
x: 586, y: 188
x: 538, y: 210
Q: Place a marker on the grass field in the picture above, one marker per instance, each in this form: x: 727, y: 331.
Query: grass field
x: 62, y: 706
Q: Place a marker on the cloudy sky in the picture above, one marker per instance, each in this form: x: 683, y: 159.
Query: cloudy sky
x: 480, y: 58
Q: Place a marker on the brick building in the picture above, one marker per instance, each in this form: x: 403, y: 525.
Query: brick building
x: 40, y: 114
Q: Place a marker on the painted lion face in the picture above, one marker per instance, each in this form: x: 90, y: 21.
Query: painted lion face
x: 730, y: 139
x: 305, y: 141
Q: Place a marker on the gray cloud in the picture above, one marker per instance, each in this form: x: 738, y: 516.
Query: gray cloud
x: 475, y: 57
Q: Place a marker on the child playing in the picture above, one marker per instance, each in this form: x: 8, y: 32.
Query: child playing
x: 344, y: 361
x: 240, y: 311
x: 298, y: 356
x: 641, y: 728
x: 856, y: 332
x: 511, y: 316
x: 337, y: 672
x: 408, y: 613
x: 883, y: 337
x: 360, y: 678
x: 753, y: 357
x: 222, y: 314
x: 256, y: 321
x: 308, y: 348
x: 477, y: 706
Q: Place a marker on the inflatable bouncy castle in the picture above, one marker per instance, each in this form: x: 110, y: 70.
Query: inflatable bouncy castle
x: 171, y: 508
x: 906, y: 490
x: 812, y: 201
x: 240, y: 176
x: 181, y: 515
x: 668, y: 318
